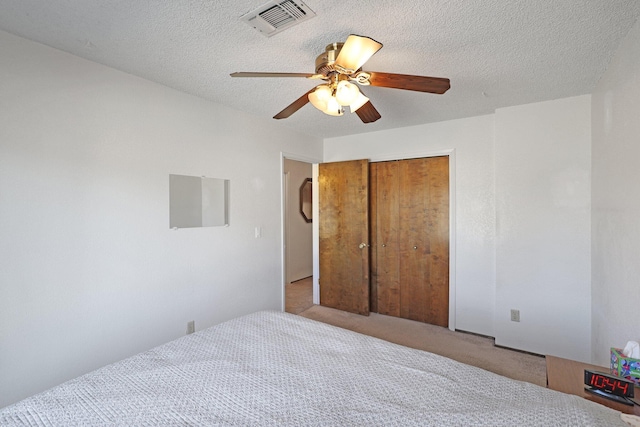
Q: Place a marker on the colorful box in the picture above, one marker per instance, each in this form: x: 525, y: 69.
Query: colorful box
x: 625, y: 367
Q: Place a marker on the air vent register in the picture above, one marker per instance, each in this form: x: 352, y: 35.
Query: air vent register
x: 276, y: 16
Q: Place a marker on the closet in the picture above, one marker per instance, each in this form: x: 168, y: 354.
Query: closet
x: 384, y: 237
x: 409, y: 226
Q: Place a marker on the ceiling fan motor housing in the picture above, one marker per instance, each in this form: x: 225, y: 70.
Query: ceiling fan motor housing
x: 326, y: 60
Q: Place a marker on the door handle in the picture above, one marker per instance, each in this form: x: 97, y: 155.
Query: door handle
x: 362, y: 245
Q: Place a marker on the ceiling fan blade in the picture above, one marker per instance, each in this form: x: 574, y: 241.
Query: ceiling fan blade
x: 252, y: 74
x: 438, y: 85
x: 368, y: 113
x: 294, y: 106
x: 355, y: 52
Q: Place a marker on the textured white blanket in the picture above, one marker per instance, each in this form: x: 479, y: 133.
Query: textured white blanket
x: 277, y: 369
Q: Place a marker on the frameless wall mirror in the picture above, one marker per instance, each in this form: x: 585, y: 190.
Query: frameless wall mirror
x: 198, y: 201
x: 305, y: 200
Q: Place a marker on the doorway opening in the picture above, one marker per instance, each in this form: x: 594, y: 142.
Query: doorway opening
x: 298, y: 235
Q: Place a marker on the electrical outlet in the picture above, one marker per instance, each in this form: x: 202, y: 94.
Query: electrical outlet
x: 515, y: 315
x: 191, y: 327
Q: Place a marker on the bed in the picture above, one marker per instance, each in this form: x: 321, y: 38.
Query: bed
x: 277, y: 369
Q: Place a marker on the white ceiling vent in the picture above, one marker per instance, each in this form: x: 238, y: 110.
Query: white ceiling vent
x: 278, y: 15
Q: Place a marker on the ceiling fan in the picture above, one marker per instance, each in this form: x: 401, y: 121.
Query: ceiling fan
x: 340, y: 65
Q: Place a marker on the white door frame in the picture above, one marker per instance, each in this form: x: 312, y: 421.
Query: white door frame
x: 283, y: 199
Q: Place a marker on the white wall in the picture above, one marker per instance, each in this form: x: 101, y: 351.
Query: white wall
x: 299, y: 255
x: 89, y: 270
x: 522, y: 221
x: 616, y: 201
x: 472, y: 140
x: 543, y: 162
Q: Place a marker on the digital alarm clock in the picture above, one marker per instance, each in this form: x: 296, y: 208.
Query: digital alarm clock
x: 609, y: 386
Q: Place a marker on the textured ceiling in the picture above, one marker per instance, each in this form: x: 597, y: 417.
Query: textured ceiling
x: 497, y: 53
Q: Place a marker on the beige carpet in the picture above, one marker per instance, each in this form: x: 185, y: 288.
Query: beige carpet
x: 463, y: 347
x: 298, y: 296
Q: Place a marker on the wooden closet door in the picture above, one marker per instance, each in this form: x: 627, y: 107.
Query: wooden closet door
x: 344, y: 235
x: 412, y: 239
x: 424, y: 239
x: 387, y: 215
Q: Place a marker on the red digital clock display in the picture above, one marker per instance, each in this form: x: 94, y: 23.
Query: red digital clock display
x: 608, y: 383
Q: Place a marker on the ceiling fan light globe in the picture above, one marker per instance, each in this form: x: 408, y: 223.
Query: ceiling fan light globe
x: 346, y: 93
x: 333, y: 108
x: 320, y: 97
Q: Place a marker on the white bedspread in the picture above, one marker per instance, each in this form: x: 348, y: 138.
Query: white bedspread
x: 277, y: 369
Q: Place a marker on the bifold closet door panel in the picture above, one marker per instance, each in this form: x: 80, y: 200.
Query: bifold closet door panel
x: 414, y: 248
x: 438, y: 231
x: 344, y: 235
x: 387, y: 238
x: 424, y: 239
